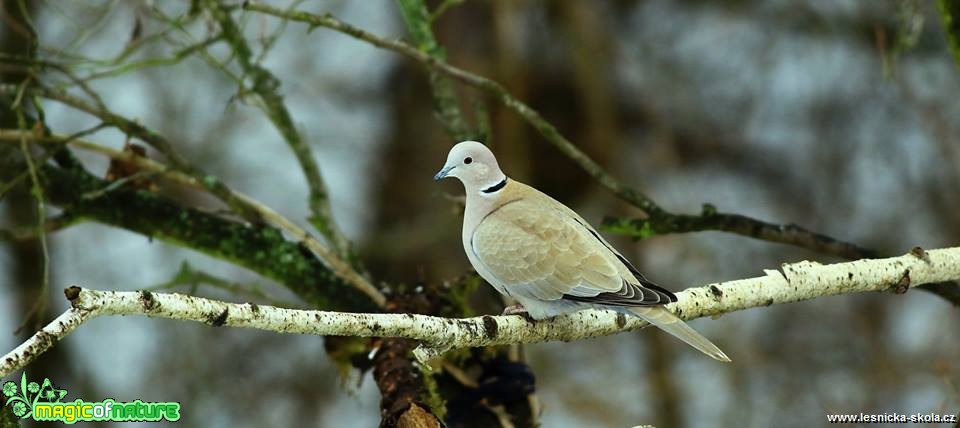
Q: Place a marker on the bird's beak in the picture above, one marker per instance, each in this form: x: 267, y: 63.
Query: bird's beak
x: 443, y: 173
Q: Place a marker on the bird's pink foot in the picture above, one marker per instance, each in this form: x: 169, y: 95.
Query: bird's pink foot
x: 517, y: 309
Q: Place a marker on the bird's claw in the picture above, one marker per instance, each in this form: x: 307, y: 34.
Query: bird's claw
x: 517, y: 309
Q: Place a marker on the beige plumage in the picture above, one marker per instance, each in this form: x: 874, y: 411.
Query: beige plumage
x: 532, y: 248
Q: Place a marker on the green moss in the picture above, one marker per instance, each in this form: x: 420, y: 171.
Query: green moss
x: 431, y: 394
x: 950, y: 14
x: 634, y: 228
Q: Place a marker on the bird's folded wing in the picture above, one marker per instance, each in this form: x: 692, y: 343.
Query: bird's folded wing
x: 538, y: 250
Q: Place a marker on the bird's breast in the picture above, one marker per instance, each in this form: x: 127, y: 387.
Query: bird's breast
x: 480, y: 267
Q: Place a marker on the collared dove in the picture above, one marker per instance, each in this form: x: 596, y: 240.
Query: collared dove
x: 536, y: 250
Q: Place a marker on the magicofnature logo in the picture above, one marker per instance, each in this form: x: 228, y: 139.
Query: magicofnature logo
x: 44, y: 402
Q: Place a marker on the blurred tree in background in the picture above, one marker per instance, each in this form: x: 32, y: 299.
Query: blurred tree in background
x: 655, y: 118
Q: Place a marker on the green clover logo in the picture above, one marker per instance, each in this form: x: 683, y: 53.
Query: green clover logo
x: 19, y: 409
x: 9, y: 389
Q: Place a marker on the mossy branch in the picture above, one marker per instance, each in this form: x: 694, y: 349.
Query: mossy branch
x: 260, y: 248
x: 146, y: 165
x: 711, y: 219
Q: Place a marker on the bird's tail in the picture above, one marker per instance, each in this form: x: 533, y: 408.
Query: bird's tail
x: 669, y: 322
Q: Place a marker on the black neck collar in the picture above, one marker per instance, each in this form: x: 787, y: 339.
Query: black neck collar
x: 495, y: 187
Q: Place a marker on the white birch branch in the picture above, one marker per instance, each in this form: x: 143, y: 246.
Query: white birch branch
x: 795, y: 282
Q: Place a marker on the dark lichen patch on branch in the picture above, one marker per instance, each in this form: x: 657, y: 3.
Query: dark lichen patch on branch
x: 717, y: 293
x: 470, y: 327
x: 490, y: 327
x: 146, y: 299
x: 218, y: 319
x: 45, y: 340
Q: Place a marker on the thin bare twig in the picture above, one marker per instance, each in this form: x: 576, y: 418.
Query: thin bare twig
x: 50, y: 225
x: 266, y: 86
x: 151, y: 137
x: 36, y: 190
x: 176, y: 58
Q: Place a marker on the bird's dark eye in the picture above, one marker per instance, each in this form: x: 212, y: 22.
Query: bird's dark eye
x: 468, y: 160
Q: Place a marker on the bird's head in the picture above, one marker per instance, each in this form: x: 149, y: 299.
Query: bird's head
x: 474, y: 165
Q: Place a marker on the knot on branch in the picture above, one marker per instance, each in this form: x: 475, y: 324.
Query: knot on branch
x: 72, y: 293
x: 903, y: 284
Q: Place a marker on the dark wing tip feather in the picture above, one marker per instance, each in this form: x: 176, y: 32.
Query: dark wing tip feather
x: 662, y: 291
x: 645, y: 294
x: 646, y: 283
